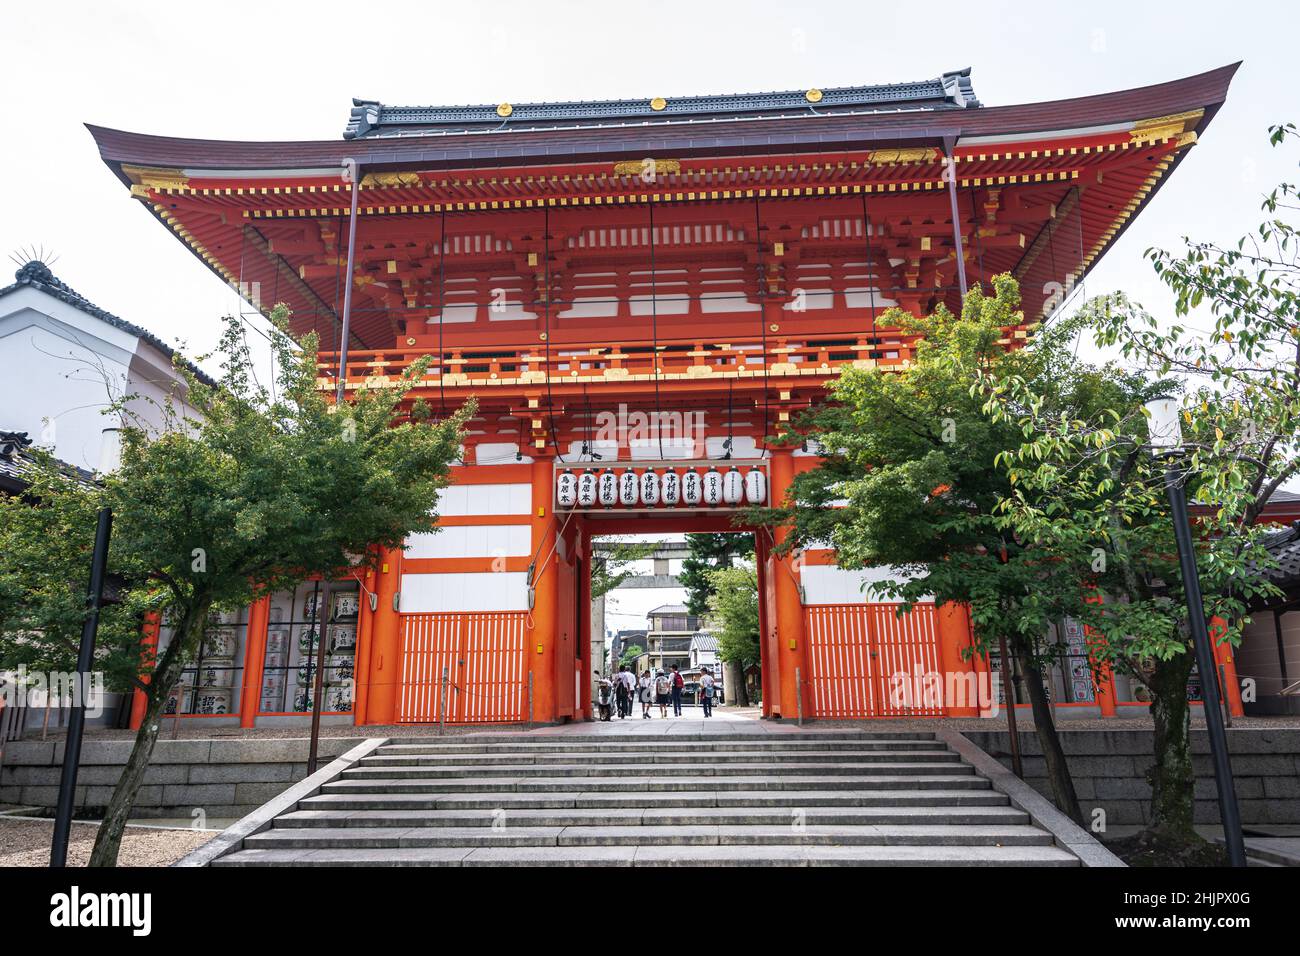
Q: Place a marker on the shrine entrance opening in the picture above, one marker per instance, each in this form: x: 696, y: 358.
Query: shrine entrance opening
x: 640, y: 614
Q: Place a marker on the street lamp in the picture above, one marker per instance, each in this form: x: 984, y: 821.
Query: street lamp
x: 81, y: 688
x: 1165, y: 431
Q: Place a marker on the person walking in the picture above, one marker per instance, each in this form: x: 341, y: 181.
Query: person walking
x: 663, y: 693
x: 678, y: 683
x: 647, y: 694
x: 623, y: 692
x: 706, y: 692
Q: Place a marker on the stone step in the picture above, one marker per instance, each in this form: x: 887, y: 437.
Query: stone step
x: 660, y: 745
x: 650, y: 835
x: 657, y: 733
x: 638, y: 816
x: 775, y: 855
x: 688, y: 758
x: 908, y: 778
x: 937, y: 796
x: 914, y: 764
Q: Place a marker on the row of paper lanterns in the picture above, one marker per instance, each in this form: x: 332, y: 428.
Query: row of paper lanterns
x: 669, y: 488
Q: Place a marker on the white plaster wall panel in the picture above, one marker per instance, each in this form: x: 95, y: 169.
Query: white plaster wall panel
x: 482, y: 591
x: 494, y: 499
x: 826, y: 584
x: 470, y: 541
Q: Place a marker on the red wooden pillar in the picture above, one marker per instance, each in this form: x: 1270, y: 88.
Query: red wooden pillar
x: 541, y: 623
x: 1224, y: 659
x: 954, y: 632
x: 1103, y: 674
x: 585, y: 637
x: 139, y: 702
x: 789, y: 603
x: 385, y: 643
x: 250, y: 695
x: 365, y: 624
x: 768, y: 661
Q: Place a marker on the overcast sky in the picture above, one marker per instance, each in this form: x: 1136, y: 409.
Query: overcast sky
x: 238, y: 70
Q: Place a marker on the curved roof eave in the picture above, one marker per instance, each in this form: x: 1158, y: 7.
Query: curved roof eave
x: 741, y: 136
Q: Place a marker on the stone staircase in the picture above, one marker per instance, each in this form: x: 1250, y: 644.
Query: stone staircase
x: 719, y: 798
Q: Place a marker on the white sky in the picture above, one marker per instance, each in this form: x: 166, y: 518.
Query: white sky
x: 240, y: 70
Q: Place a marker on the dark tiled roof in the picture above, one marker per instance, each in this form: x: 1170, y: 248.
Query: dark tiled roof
x: 37, y: 275
x: 704, y: 642
x: 16, y: 461
x: 370, y: 119
x: 1284, y: 546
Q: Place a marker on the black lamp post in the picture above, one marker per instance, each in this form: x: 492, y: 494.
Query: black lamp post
x: 1166, y: 442
x: 81, y: 689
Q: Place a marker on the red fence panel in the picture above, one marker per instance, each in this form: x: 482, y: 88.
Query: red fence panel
x: 866, y: 660
x: 483, y: 654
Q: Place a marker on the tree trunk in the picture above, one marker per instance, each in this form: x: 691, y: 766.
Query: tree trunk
x: 735, y: 681
x: 1049, y: 741
x: 1172, y: 776
x: 167, y: 674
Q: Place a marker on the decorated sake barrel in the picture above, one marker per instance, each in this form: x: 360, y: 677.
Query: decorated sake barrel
x: 213, y: 700
x: 627, y: 488
x: 346, y: 605
x: 733, y: 486
x: 566, y: 489
x: 607, y: 488
x: 307, y: 640
x: 340, y: 697
x: 277, y: 640
x: 340, y: 668
x: 343, y: 637
x: 587, y: 482
x: 650, y: 487
x: 220, y: 642
x: 217, y: 672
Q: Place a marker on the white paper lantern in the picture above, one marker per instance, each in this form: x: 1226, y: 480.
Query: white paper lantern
x: 649, y: 488
x: 607, y: 488
x: 691, y: 488
x: 566, y: 489
x: 627, y: 488
x: 755, y: 486
x: 587, y: 488
x: 672, y: 488
x: 712, y: 490
x: 733, y: 486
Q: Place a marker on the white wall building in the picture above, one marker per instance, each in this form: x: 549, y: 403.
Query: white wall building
x: 66, y: 360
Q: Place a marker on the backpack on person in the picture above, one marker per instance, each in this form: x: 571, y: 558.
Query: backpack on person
x: 661, y: 685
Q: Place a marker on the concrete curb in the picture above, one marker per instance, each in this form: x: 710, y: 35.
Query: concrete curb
x: 232, y: 838
x: 1067, y: 834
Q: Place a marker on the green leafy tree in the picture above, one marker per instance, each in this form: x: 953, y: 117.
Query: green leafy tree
x: 710, y: 551
x: 733, y: 614
x: 631, y: 653
x: 1089, y: 493
x: 243, y: 491
x: 909, y: 480
x: 1241, y: 410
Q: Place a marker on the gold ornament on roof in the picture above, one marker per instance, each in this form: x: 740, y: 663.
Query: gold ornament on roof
x: 504, y: 110
x: 658, y: 103
x: 813, y: 96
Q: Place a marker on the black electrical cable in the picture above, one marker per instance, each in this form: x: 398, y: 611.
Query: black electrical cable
x: 442, y: 294
x: 762, y: 312
x: 975, y: 233
x: 546, y: 304
x: 871, y: 272
x: 654, y: 332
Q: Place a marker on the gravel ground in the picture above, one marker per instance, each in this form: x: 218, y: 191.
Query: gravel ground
x: 27, y: 843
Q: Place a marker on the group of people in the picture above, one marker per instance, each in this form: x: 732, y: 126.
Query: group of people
x: 659, y: 689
